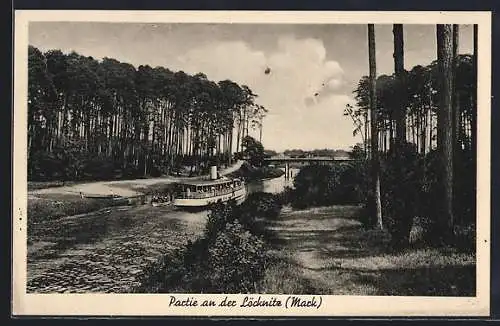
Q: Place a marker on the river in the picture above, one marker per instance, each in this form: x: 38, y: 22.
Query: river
x: 105, y: 251
x: 273, y: 186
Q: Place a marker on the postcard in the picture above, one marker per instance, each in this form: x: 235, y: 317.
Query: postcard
x: 238, y: 163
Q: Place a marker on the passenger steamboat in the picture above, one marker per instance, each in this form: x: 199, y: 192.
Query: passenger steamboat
x: 215, y: 189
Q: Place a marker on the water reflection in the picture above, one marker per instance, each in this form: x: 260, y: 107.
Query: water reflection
x: 273, y: 186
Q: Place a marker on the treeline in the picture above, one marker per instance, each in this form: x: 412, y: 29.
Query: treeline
x: 417, y: 92
x: 316, y: 153
x: 416, y: 166
x: 419, y: 140
x: 90, y: 118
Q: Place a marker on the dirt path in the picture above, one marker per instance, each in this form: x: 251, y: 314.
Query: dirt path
x: 334, y: 255
x: 105, y: 251
x: 124, y: 188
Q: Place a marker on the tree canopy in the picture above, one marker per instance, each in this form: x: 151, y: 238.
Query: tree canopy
x: 143, y: 121
x: 253, y: 150
x: 420, y: 101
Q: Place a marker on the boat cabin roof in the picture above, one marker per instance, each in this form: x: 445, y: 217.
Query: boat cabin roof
x: 208, y: 182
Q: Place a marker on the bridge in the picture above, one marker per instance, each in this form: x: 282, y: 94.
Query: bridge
x: 306, y: 160
x: 303, y: 161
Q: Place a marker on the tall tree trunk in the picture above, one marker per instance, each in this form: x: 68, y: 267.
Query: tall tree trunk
x: 473, y: 118
x: 473, y: 123
x: 455, y: 116
x: 403, y: 219
x: 231, y: 136
x: 444, y: 35
x: 399, y: 69
x: 456, y: 106
x: 238, y: 137
x: 365, y: 141
x: 374, y: 128
x: 260, y: 130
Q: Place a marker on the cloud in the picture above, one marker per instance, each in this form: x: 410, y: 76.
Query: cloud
x: 299, y: 90
x: 233, y: 60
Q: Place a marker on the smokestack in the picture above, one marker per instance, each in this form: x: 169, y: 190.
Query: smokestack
x: 213, y: 172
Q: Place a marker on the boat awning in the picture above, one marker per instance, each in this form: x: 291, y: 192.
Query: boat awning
x: 206, y: 182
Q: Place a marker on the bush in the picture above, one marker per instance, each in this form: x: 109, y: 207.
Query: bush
x: 98, y: 168
x: 249, y: 172
x: 229, y: 258
x: 400, y: 185
x: 367, y: 214
x: 285, y: 197
x: 314, y: 186
x: 466, y: 188
x: 236, y: 260
x: 352, y: 187
x: 256, y: 212
x: 318, y: 185
x: 43, y: 166
x: 261, y: 204
x: 220, y: 214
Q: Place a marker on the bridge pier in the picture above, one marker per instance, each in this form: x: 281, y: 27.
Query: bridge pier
x: 287, y: 170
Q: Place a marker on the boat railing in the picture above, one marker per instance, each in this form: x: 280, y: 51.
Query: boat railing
x: 207, y: 194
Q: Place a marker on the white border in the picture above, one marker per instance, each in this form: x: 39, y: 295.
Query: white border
x: 151, y: 304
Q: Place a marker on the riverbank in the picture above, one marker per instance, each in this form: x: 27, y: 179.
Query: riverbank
x: 321, y: 250
x: 108, y: 250
x: 78, y: 198
x: 327, y: 251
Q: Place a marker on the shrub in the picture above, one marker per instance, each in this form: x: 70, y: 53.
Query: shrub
x: 314, y: 186
x: 466, y: 187
x: 400, y: 185
x: 253, y: 150
x: 261, y: 204
x: 220, y: 214
x: 183, y: 270
x: 285, y: 197
x: 352, y: 187
x: 236, y: 261
x: 318, y: 185
x: 367, y: 214
x: 249, y: 172
x: 429, y: 199
x: 228, y: 258
x: 43, y: 166
x: 256, y: 212
x: 98, y: 168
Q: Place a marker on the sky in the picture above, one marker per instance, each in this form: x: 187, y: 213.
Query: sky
x: 313, y: 68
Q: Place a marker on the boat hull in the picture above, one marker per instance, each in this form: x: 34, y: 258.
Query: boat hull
x: 239, y: 195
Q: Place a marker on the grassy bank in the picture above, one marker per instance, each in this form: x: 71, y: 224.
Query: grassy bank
x: 266, y: 248
x: 36, y: 185
x: 326, y: 250
x: 48, y: 207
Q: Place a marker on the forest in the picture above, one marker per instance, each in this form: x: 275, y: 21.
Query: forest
x: 419, y: 93
x: 91, y: 119
x: 416, y: 163
x: 418, y: 151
